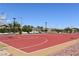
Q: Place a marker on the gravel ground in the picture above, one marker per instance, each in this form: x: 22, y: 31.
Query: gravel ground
x: 70, y: 51
x: 4, y: 52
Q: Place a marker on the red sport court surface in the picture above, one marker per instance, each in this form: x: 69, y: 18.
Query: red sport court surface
x: 34, y: 42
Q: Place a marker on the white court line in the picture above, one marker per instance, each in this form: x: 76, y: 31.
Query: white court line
x: 46, y: 40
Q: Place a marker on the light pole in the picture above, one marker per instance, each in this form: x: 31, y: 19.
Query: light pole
x: 14, y: 24
x: 21, y: 25
x: 46, y: 27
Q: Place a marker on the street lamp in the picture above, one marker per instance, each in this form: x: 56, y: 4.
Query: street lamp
x: 46, y: 27
x: 14, y: 24
x: 21, y: 26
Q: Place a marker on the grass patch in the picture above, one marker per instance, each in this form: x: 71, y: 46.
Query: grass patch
x: 2, y: 46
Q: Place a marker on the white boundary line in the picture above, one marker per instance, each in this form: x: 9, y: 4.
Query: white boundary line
x: 14, y: 48
x: 46, y: 40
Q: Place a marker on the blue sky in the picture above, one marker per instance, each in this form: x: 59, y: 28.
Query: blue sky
x: 57, y: 15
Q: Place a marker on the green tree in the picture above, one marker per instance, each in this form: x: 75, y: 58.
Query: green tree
x: 14, y: 27
x: 40, y: 29
x: 68, y: 30
x: 27, y: 28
